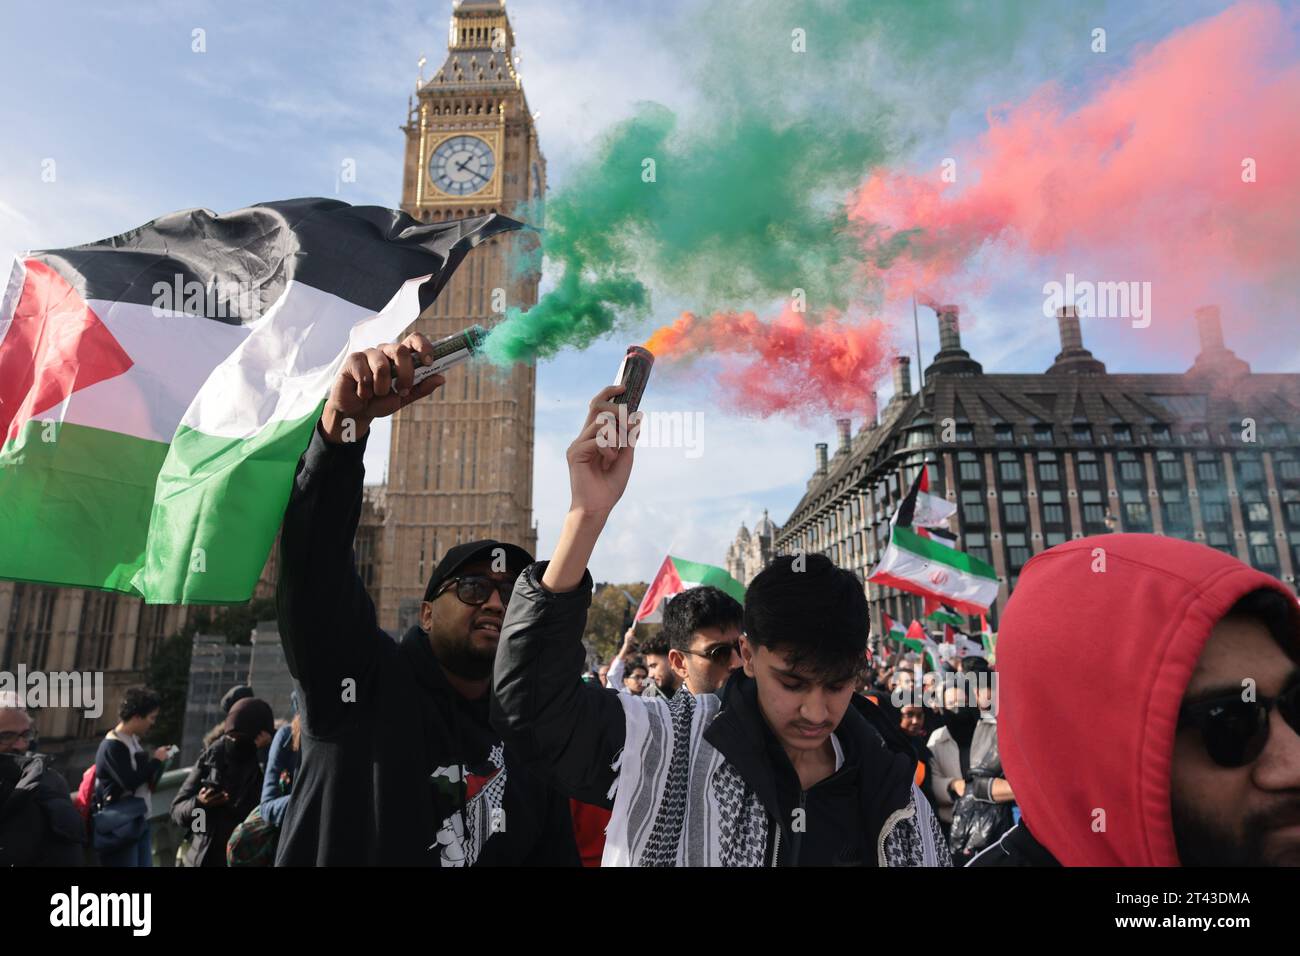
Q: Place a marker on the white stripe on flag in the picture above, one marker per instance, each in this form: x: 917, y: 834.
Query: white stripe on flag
x: 172, y: 355
x: 285, y: 367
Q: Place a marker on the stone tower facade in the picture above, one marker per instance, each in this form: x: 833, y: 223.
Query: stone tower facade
x: 460, y: 464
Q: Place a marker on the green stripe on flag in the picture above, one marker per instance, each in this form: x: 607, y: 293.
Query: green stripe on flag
x: 75, y: 510
x: 911, y: 541
x: 693, y: 574
x: 944, y: 617
x: 218, y: 508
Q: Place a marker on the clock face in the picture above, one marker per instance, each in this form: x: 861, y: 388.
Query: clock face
x: 462, y: 165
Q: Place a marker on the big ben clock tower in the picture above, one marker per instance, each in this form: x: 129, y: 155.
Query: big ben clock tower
x: 460, y: 464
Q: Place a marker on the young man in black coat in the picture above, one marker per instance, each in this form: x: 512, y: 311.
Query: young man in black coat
x: 399, y: 763
x: 789, y: 768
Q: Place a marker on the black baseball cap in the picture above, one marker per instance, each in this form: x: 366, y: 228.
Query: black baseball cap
x: 462, y: 554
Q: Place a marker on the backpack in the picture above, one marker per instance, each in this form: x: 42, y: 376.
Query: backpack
x: 84, y: 801
x: 85, y: 796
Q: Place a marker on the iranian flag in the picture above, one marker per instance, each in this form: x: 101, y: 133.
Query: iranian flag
x: 676, y: 575
x: 917, y: 565
x: 157, y: 388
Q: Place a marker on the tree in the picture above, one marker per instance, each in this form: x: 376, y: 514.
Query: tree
x: 609, y: 615
x: 168, y: 671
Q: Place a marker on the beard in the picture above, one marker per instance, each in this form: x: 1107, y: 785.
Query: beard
x: 1204, y: 842
x: 459, y: 655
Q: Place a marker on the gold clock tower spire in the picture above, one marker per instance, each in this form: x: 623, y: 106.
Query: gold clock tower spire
x: 460, y: 465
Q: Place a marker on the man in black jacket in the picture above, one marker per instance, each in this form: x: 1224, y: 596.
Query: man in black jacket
x: 789, y: 768
x: 399, y: 763
x: 38, y: 824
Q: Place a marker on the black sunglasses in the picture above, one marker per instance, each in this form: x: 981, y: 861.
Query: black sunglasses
x: 475, y: 589
x: 718, y: 653
x: 1235, y: 731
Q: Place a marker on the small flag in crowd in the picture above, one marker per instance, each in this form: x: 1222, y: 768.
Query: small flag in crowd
x: 676, y: 575
x: 157, y: 388
x: 920, y: 641
x: 989, y: 638
x: 946, y: 615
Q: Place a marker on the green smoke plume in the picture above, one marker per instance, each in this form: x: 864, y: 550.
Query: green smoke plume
x: 799, y: 100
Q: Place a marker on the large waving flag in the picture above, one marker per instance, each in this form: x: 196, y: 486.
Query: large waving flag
x: 676, y: 575
x: 915, y: 563
x: 157, y: 388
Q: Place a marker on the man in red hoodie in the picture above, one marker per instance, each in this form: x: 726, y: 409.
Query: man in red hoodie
x: 1149, y: 708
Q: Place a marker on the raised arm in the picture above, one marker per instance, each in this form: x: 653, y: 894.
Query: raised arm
x: 327, y: 620
x: 540, y: 704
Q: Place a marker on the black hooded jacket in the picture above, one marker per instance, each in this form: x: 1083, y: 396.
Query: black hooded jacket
x: 230, y: 764
x: 397, y: 768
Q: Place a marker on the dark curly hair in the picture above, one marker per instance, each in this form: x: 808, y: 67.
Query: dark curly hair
x: 138, y: 702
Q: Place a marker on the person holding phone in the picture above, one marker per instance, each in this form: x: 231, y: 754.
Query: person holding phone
x: 225, y: 784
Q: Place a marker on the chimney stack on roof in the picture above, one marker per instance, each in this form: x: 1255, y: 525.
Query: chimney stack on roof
x: 845, y: 428
x: 1073, y: 359
x: 1215, y: 358
x: 951, y: 358
x: 821, y: 458
x: 902, y: 377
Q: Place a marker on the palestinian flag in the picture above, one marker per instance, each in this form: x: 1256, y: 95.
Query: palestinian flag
x: 917, y: 565
x: 989, y: 638
x: 943, y: 614
x: 920, y: 641
x: 920, y: 509
x: 893, y: 629
x: 675, y: 576
x: 157, y: 388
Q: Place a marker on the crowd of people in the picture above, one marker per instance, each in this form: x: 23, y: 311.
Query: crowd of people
x: 1144, y: 710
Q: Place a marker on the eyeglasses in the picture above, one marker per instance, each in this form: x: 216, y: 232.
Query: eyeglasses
x: 475, y: 589
x: 9, y: 737
x: 718, y: 653
x: 1235, y: 731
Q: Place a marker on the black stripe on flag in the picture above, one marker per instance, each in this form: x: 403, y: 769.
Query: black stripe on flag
x: 359, y: 253
x: 907, y: 508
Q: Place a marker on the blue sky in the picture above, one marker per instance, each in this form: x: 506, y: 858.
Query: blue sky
x: 137, y: 124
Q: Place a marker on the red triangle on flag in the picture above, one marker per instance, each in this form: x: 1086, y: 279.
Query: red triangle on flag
x: 55, y: 345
